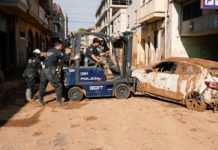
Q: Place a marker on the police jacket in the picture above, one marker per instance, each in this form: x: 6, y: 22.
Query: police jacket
x: 33, y: 67
x: 91, y: 50
x: 53, y: 56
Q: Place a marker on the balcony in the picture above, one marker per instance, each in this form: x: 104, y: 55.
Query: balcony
x: 28, y: 10
x: 152, y: 10
x: 21, y: 4
x: 102, y: 7
x: 204, y: 25
x: 102, y: 11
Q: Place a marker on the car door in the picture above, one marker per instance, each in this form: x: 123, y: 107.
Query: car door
x: 166, y: 79
x: 146, y: 79
x: 190, y: 76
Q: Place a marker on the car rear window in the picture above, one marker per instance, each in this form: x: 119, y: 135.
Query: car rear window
x: 167, y: 67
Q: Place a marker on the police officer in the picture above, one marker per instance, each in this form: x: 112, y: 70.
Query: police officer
x: 93, y: 54
x: 33, y: 68
x: 49, y: 73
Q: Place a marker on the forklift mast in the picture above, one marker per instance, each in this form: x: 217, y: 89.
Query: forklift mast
x: 127, y: 55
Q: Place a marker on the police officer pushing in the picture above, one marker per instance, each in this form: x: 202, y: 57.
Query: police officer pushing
x: 49, y: 73
x: 33, y: 68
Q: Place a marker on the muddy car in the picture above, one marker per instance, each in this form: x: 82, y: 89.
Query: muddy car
x: 190, y: 81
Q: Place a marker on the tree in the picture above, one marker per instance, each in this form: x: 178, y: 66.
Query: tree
x: 82, y: 30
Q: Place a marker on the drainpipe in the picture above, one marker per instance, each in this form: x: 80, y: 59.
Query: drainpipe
x: 166, y: 28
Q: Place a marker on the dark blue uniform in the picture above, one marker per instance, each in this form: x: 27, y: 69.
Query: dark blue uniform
x: 30, y: 73
x: 91, y: 50
x: 49, y: 74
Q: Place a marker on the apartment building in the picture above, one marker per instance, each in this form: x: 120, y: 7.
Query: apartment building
x: 170, y: 28
x: 25, y: 25
x: 105, y: 15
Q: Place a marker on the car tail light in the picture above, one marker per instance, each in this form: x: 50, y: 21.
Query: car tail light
x: 212, y: 85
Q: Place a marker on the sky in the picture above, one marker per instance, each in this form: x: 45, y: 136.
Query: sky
x: 81, y: 13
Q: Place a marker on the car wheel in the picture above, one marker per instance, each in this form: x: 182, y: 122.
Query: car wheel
x: 122, y: 91
x: 195, y: 102
x: 75, y: 94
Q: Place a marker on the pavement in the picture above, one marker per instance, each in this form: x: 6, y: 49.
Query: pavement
x: 139, y: 123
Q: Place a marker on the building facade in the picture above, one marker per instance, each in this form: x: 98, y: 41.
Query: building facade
x: 25, y: 25
x: 175, y: 28
x: 58, y: 23
x: 193, y: 31
x: 152, y: 14
x: 106, y: 12
x: 163, y: 29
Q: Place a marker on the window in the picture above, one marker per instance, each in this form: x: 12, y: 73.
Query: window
x: 155, y: 40
x: 192, y: 10
x: 167, y: 67
x: 112, y: 27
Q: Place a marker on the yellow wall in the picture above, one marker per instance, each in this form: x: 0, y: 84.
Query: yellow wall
x: 22, y: 43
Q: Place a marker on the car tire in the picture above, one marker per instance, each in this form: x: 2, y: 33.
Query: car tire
x: 194, y: 101
x: 122, y: 91
x: 75, y: 94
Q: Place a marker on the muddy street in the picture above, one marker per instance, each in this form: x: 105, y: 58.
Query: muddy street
x: 138, y: 123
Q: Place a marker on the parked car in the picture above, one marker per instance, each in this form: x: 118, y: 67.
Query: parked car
x: 190, y: 81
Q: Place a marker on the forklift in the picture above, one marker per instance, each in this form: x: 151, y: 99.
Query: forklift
x: 82, y: 81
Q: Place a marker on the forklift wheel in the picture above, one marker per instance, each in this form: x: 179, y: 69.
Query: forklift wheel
x: 122, y: 91
x: 75, y: 94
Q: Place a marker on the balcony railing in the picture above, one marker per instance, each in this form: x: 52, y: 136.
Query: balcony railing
x: 120, y: 2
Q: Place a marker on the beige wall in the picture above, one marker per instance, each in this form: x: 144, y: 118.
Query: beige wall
x: 133, y: 14
x: 175, y: 48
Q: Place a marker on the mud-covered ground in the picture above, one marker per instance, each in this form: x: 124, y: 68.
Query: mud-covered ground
x: 138, y: 123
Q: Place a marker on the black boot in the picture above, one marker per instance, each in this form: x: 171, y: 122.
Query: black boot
x: 41, y: 101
